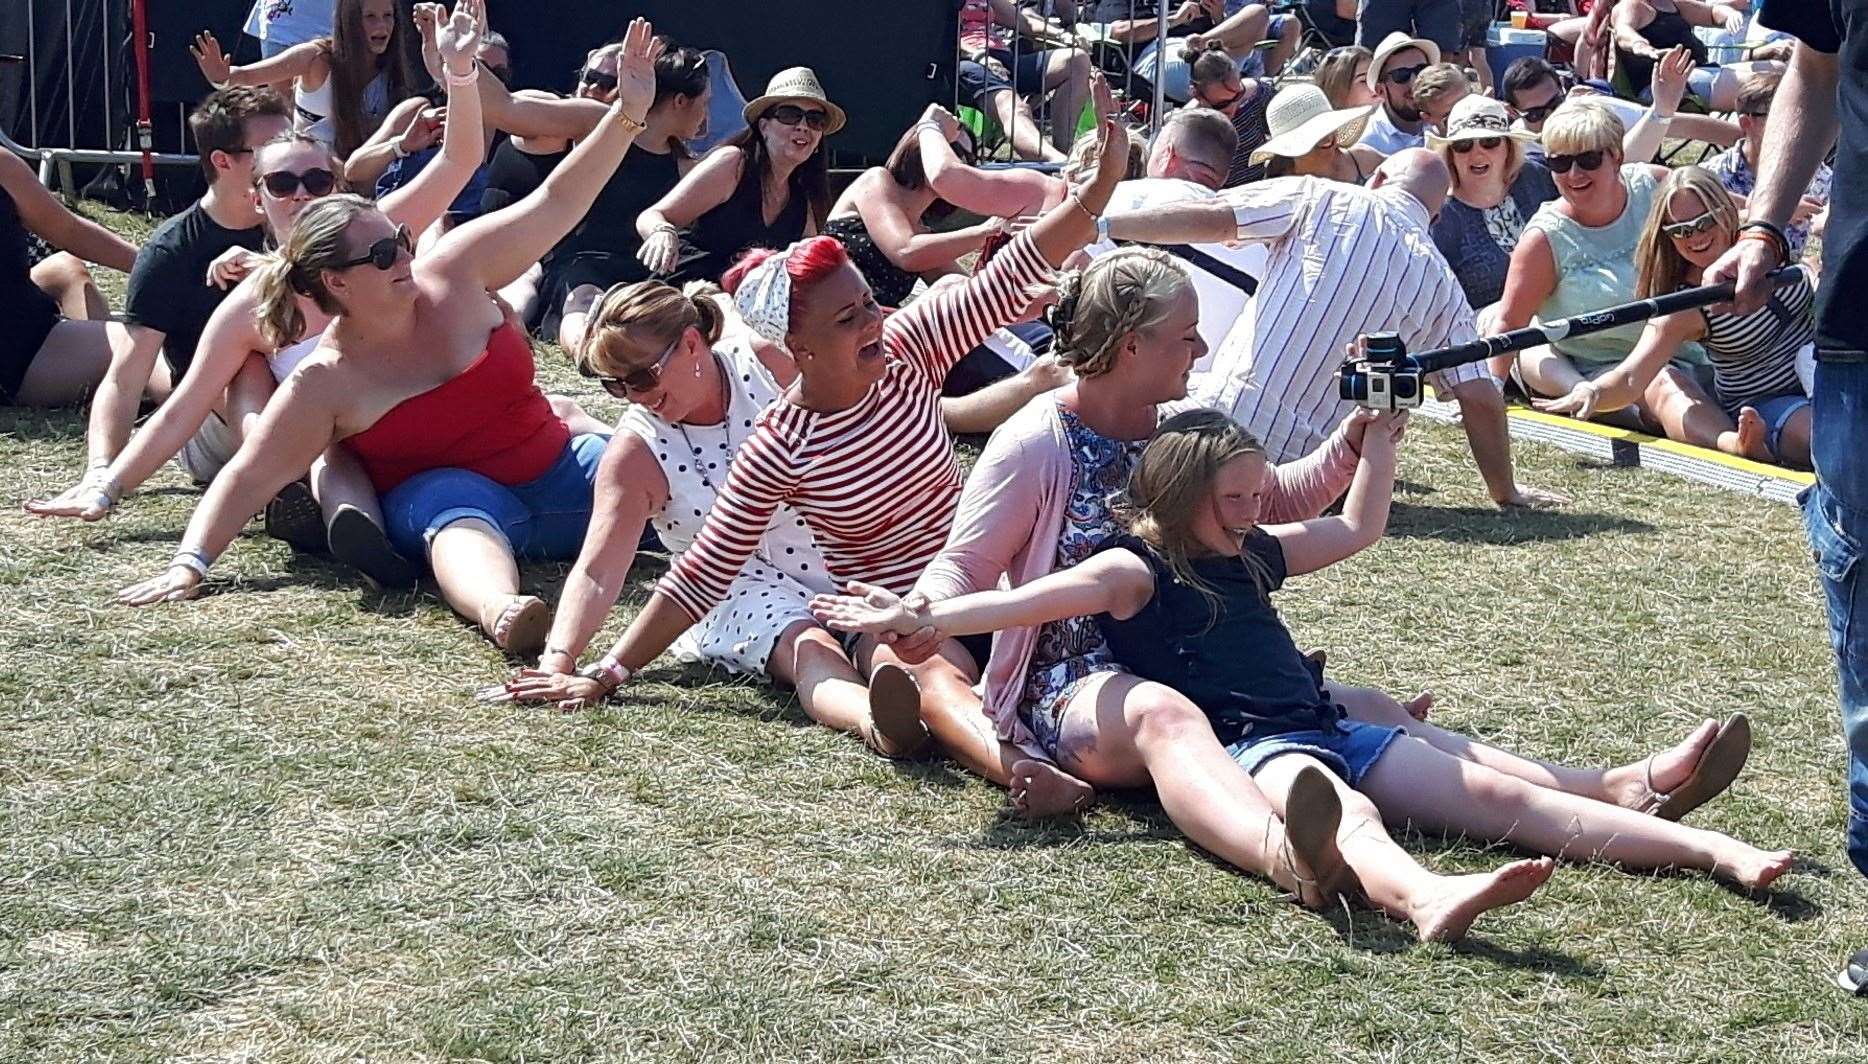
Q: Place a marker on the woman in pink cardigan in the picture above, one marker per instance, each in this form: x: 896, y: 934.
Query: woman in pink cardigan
x: 1038, y: 501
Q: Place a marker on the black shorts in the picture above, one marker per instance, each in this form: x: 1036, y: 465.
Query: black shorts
x: 978, y: 81
x: 23, y: 328
x: 567, y: 273
x: 1475, y: 21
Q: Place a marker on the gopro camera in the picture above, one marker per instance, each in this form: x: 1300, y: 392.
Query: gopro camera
x: 1381, y: 378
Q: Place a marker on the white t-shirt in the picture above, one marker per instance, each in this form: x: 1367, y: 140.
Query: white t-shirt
x: 284, y: 23
x: 1221, y: 302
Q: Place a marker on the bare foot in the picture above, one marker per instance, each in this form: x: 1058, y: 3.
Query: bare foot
x: 1755, y: 869
x: 1449, y: 914
x: 1419, y: 706
x: 1041, y: 789
x: 1628, y: 786
x: 1751, y: 440
x: 1313, y: 813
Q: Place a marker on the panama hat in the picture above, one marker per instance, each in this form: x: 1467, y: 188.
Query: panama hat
x: 1299, y: 116
x: 1395, y: 42
x: 795, y: 85
x: 1477, y: 117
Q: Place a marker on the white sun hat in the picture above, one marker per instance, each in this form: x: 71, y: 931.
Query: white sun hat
x: 1395, y: 42
x: 1477, y: 117
x: 1300, y: 116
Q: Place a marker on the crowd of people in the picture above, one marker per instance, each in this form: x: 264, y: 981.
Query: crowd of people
x: 339, y: 334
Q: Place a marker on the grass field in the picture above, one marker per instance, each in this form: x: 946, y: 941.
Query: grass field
x: 274, y: 825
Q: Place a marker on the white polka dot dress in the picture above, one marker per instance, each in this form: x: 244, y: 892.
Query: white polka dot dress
x: 774, y: 590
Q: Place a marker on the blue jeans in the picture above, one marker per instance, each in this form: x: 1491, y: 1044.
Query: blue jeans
x: 542, y: 518
x: 1835, y: 512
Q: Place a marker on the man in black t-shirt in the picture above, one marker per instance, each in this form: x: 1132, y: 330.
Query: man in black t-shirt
x: 169, y: 299
x: 1823, y: 95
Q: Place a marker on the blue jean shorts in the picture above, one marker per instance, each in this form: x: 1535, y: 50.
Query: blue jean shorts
x: 1777, y: 412
x: 1350, y: 748
x: 543, y: 518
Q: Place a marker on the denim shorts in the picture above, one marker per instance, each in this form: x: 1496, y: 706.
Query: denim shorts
x: 1777, y: 412
x: 542, y: 518
x: 1350, y: 748
x: 978, y: 81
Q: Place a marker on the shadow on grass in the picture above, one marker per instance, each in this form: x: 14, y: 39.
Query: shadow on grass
x: 42, y: 426
x: 1493, y: 527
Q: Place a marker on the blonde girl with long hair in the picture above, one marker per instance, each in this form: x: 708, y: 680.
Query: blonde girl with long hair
x: 1188, y: 582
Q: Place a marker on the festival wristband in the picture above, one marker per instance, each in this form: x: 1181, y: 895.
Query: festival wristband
x: 1769, y: 233
x: 197, y: 560
x: 462, y: 80
x: 609, y: 672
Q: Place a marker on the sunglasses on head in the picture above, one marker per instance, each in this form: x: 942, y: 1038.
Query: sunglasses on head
x: 1690, y: 227
x: 1560, y: 164
x: 788, y: 114
x: 315, y: 182
x: 1461, y: 147
x: 598, y: 80
x: 382, y: 254
x: 1403, y: 75
x: 642, y: 379
x: 1539, y: 113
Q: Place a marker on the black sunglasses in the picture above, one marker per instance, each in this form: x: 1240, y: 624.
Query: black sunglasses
x: 1403, y: 75
x: 382, y: 254
x: 598, y: 80
x: 1461, y: 147
x: 790, y: 114
x: 315, y: 182
x: 1560, y: 164
x: 638, y: 380
x: 1538, y: 114
x: 1690, y: 227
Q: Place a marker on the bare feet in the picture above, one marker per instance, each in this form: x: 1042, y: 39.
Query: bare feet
x: 1449, y: 914
x: 1313, y: 813
x: 1040, y: 789
x: 1628, y: 785
x: 1754, y: 869
x: 1752, y: 440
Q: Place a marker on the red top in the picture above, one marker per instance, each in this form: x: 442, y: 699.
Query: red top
x: 491, y: 420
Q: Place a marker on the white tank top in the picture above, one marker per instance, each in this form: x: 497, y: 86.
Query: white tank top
x: 287, y: 358
x: 314, y: 110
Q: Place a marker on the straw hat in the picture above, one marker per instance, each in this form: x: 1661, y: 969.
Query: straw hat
x: 797, y: 85
x: 1477, y: 117
x: 1396, y: 42
x: 1300, y: 116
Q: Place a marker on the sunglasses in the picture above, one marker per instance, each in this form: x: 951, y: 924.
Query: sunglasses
x: 1690, y: 227
x: 315, y: 182
x: 639, y: 380
x: 1560, y: 164
x: 1461, y: 147
x: 1538, y: 114
x: 598, y: 80
x: 791, y: 114
x: 1403, y: 75
x: 382, y: 254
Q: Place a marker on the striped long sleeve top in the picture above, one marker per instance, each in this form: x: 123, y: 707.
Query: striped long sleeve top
x: 877, y: 483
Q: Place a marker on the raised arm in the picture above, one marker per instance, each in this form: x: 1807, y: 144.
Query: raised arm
x: 56, y: 223
x: 490, y: 252
x: 1311, y: 545
x: 423, y: 201
x: 1301, y: 490
x: 1643, y: 139
x: 1001, y: 193
x: 298, y: 61
x: 895, y: 236
x: 526, y: 115
x: 295, y: 429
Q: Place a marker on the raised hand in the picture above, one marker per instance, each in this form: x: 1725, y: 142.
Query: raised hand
x: 177, y: 583
x: 425, y: 129
x: 458, y: 38
x: 1102, y: 97
x: 635, y: 69
x: 230, y: 266
x: 867, y: 609
x: 208, y: 56
x: 1668, y: 81
x: 1108, y: 165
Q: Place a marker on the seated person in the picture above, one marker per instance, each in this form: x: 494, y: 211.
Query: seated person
x: 1475, y: 28
x: 1532, y: 89
x: 1309, y: 138
x: 1343, y: 75
x: 1243, y: 101
x: 1496, y: 190
x: 1737, y: 167
x: 1763, y: 412
x: 1004, y: 78
x: 1436, y: 90
x: 1335, y: 20
x: 1135, y: 23
x: 1397, y: 123
x: 1645, y: 29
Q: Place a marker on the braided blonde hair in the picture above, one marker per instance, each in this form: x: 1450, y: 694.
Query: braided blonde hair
x: 1127, y: 291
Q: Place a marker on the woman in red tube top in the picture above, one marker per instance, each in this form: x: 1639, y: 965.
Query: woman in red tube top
x: 420, y: 374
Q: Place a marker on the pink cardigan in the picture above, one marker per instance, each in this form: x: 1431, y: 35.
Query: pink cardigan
x: 1011, y: 517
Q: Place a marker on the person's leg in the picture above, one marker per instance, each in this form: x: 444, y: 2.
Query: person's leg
x: 1289, y: 34
x: 1067, y: 75
x: 1376, y: 19
x: 576, y: 418
x: 471, y: 530
x: 1440, y: 21
x: 1021, y: 127
x: 1544, y: 372
x: 1718, y: 86
x: 1835, y: 513
x: 1415, y: 783
x: 811, y: 661
x: 1441, y: 908
x: 67, y: 280
x: 522, y: 295
x: 1683, y: 410
x: 575, y: 317
x: 68, y: 367
x: 1792, y: 443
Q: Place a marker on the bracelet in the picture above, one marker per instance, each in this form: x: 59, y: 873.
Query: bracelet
x: 1087, y: 213
x: 188, y: 558
x: 1770, y: 233
x: 630, y: 122
x: 1102, y: 228
x: 927, y: 123
x: 106, y: 489
x: 560, y: 651
x: 609, y: 672
x: 462, y: 80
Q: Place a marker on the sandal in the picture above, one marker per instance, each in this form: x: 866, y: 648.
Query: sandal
x: 522, y: 626
x: 894, y: 728
x: 362, y: 544
x: 1312, y: 814
x: 1719, y: 764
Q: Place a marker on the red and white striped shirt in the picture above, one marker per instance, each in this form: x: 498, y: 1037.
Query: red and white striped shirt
x: 878, y: 482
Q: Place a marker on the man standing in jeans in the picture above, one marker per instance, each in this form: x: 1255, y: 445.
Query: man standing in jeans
x: 1814, y: 105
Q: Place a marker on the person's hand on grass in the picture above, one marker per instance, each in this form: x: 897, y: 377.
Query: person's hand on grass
x: 89, y: 499
x: 177, y: 583
x: 1523, y: 498
x: 567, y: 691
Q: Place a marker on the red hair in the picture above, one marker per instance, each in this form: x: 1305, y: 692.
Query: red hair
x: 815, y: 259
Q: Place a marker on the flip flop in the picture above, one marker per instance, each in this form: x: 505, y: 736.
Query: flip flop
x: 293, y: 516
x: 362, y: 544
x: 1854, y: 975
x: 1718, y: 766
x: 895, y: 729
x: 522, y: 626
x: 1312, y: 813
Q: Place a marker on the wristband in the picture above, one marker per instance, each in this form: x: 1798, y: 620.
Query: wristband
x: 1770, y: 233
x: 104, y: 488
x: 630, y: 122
x: 1102, y: 228
x: 927, y: 123
x: 197, y: 560
x: 609, y: 672
x: 462, y: 80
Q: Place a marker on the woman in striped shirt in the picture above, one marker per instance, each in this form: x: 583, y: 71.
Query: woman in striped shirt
x: 1754, y: 356
x: 856, y: 447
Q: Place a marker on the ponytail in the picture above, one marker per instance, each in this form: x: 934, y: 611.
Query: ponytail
x: 297, y: 269
x: 280, y: 320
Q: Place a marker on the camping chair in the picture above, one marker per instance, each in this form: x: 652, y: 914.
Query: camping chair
x: 726, y: 113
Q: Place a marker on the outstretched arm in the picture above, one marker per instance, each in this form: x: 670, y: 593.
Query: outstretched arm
x: 1622, y: 384
x: 1001, y: 193
x: 1311, y: 545
x: 421, y: 202
x: 1259, y: 212
x: 1115, y: 582
x: 295, y: 62
x: 490, y: 252
x: 44, y: 215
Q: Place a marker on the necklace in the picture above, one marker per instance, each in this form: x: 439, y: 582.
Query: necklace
x: 726, y: 423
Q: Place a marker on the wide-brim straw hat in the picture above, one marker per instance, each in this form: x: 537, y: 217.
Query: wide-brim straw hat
x: 1395, y: 42
x: 1300, y: 116
x: 797, y: 85
x: 1477, y: 117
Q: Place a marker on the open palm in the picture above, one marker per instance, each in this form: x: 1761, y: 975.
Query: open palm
x: 459, y: 36
x: 635, y: 68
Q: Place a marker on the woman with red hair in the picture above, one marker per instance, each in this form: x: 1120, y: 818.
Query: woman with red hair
x: 856, y: 447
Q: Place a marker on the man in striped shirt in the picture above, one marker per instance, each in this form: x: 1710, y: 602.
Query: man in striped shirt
x: 1344, y: 261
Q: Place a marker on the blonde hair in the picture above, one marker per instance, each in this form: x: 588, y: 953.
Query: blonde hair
x: 1337, y: 72
x: 1514, y: 161
x: 1439, y: 80
x: 1662, y: 268
x: 1077, y: 167
x: 651, y: 309
x: 1583, y: 125
x: 1171, y: 484
x: 297, y: 268
x: 1124, y: 292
